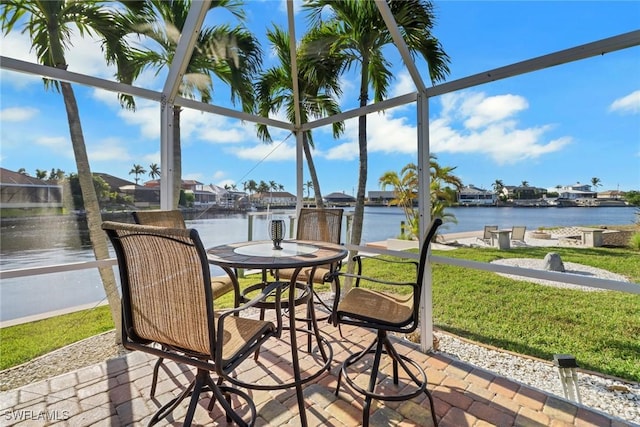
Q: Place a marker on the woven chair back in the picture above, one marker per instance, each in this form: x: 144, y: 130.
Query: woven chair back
x: 166, y: 292
x: 324, y: 225
x: 159, y: 218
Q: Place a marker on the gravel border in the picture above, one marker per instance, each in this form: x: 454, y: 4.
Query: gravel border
x: 610, y: 395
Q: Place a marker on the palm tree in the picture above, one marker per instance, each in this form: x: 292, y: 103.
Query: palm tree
x: 231, y: 54
x: 41, y: 173
x: 596, y: 183
x: 23, y: 171
x: 317, y: 87
x: 56, y: 174
x: 498, y: 186
x: 525, y: 183
x: 154, y: 171
x: 137, y: 170
x: 49, y: 24
x: 308, y: 185
x: 405, y: 188
x: 360, y: 34
x: 251, y: 186
x: 442, y: 179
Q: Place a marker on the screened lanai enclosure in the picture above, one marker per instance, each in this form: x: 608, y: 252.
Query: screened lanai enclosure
x: 291, y: 122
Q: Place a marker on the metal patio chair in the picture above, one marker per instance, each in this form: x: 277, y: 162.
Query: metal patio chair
x: 168, y: 311
x: 384, y: 313
x: 323, y: 225
x: 220, y: 285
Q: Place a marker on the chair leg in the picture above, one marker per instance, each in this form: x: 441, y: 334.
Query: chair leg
x: 154, y: 381
x: 350, y: 361
x: 171, y: 405
x: 372, y: 382
x: 222, y: 394
x: 384, y: 345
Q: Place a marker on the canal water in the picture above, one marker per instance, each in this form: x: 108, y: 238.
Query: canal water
x: 41, y: 242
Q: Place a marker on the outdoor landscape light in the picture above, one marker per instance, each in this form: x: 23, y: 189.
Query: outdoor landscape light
x: 567, y: 365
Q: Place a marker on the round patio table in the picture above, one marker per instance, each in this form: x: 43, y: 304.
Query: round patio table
x: 296, y: 254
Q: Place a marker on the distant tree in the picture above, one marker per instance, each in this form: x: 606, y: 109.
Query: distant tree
x: 137, y: 170
x: 596, y: 183
x: 56, y: 174
x: 100, y: 185
x: 525, y: 183
x: 23, y: 171
x: 251, y: 186
x: 262, y: 187
x: 41, y: 173
x: 405, y: 188
x: 308, y: 186
x: 633, y: 198
x: 280, y: 187
x: 154, y: 171
x: 498, y: 185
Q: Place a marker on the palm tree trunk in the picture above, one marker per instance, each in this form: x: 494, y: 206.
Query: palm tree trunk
x: 312, y: 171
x: 177, y: 157
x: 358, y: 213
x: 94, y: 218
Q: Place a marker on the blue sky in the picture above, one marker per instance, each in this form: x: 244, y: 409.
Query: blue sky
x: 558, y: 126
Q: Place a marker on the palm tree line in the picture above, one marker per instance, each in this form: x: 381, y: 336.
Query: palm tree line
x: 345, y: 35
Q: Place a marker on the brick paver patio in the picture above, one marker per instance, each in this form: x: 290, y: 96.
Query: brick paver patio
x: 116, y: 393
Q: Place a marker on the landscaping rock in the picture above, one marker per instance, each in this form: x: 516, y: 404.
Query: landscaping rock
x: 553, y: 262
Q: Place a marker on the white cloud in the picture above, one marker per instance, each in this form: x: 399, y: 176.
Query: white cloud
x: 472, y: 122
x: 266, y: 152
x: 152, y: 158
x: 482, y: 110
x: 346, y: 151
x: 18, y: 114
x: 18, y: 46
x: 108, y: 150
x: 84, y: 56
x: 403, y: 85
x: 627, y: 104
x: 218, y: 175
x: 56, y: 143
x: 469, y: 122
x: 193, y: 176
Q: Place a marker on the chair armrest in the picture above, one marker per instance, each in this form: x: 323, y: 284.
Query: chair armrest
x: 272, y: 288
x: 359, y: 277
x: 358, y: 260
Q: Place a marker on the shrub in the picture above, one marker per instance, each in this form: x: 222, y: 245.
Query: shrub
x: 634, y: 241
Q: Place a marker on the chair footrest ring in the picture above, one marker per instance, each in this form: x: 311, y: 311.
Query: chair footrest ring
x: 420, y: 385
x: 325, y: 367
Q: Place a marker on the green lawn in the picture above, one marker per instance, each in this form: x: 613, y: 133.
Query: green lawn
x: 600, y: 329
